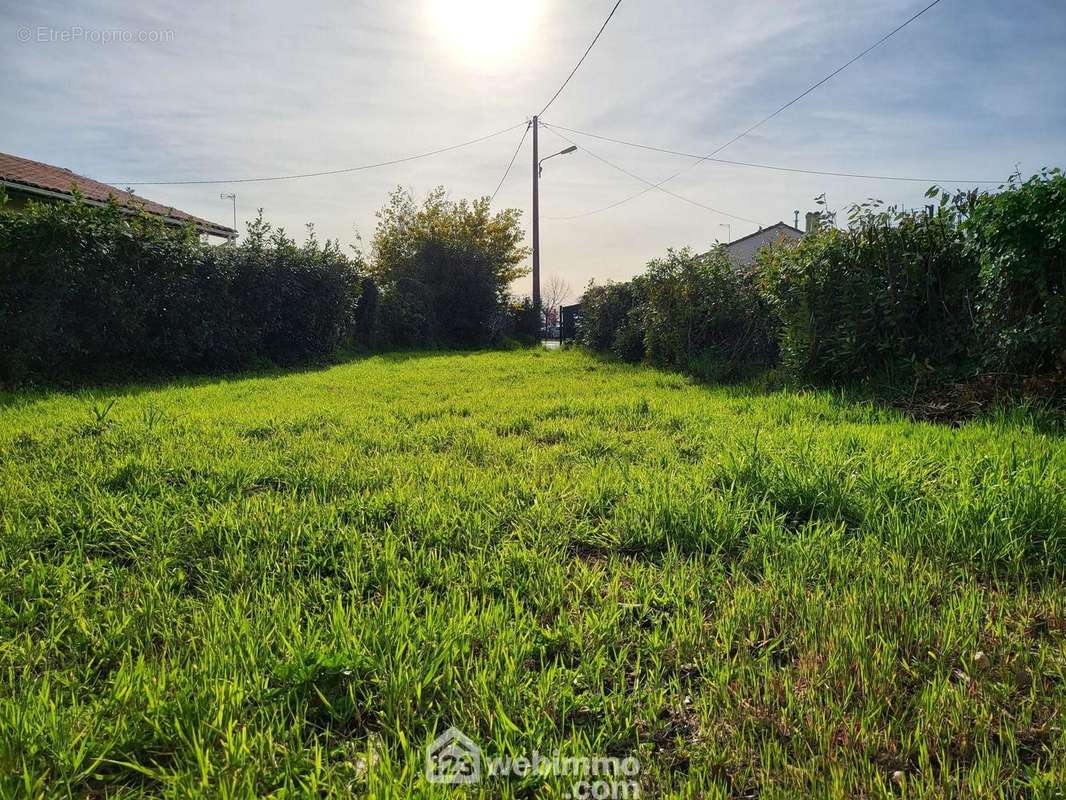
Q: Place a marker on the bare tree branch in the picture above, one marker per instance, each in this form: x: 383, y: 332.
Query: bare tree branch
x: 553, y: 293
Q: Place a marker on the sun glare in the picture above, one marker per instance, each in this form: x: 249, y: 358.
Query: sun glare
x: 485, y: 30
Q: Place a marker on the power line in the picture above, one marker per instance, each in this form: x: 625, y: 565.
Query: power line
x: 769, y: 117
x: 650, y: 185
x: 510, y: 164
x: 582, y: 59
x: 826, y: 79
x: 326, y: 172
x: 767, y: 166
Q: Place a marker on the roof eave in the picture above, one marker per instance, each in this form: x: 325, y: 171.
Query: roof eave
x: 203, y: 226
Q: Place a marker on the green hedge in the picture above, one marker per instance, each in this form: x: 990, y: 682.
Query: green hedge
x: 1018, y: 238
x: 686, y: 311
x: 611, y: 319
x: 92, y: 292
x: 444, y: 268
x: 892, y: 296
x: 976, y: 283
x: 704, y: 316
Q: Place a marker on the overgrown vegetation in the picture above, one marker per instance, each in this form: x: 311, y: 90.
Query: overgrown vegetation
x: 703, y: 316
x: 89, y: 292
x: 1019, y: 239
x: 689, y: 312
x: 976, y: 284
x: 611, y: 319
x: 890, y: 296
x: 444, y: 269
x: 288, y: 586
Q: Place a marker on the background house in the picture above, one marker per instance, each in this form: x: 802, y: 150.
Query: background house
x: 24, y: 180
x: 742, y: 251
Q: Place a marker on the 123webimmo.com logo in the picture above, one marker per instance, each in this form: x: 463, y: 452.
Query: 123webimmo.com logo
x: 453, y: 758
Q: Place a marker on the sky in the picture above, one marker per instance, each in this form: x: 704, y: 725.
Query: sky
x: 150, y: 91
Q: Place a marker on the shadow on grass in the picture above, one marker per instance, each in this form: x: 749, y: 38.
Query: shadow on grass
x: 133, y: 386
x: 874, y: 403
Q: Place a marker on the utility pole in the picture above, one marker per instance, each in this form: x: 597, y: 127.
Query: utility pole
x: 537, y: 161
x: 536, y: 220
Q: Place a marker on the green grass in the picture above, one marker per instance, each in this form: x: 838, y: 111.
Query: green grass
x: 289, y: 585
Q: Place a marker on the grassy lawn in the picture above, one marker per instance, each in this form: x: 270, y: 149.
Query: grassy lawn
x: 290, y: 585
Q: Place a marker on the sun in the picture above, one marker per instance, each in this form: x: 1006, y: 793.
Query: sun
x: 485, y: 30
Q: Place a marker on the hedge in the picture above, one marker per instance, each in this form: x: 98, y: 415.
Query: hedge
x: 89, y: 292
x: 975, y: 283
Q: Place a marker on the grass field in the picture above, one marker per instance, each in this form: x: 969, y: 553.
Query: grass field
x: 290, y: 584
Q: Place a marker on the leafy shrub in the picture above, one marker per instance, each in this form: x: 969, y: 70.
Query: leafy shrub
x: 1019, y: 238
x: 522, y: 323
x: 611, y: 319
x: 890, y: 296
x: 443, y: 269
x: 704, y: 316
x: 96, y: 292
x: 628, y: 343
x: 977, y: 281
x: 686, y: 311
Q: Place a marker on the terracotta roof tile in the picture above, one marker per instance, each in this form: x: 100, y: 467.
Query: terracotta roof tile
x: 35, y: 175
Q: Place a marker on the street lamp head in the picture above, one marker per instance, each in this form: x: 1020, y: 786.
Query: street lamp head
x: 566, y: 152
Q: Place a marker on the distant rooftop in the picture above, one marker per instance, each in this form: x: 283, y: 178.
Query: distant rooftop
x: 46, y: 181
x: 777, y: 226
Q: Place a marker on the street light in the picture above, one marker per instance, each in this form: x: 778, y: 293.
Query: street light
x: 564, y: 152
x: 536, y: 214
x: 537, y: 162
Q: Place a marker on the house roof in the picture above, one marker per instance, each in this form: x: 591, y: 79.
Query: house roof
x: 776, y: 226
x: 33, y: 177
